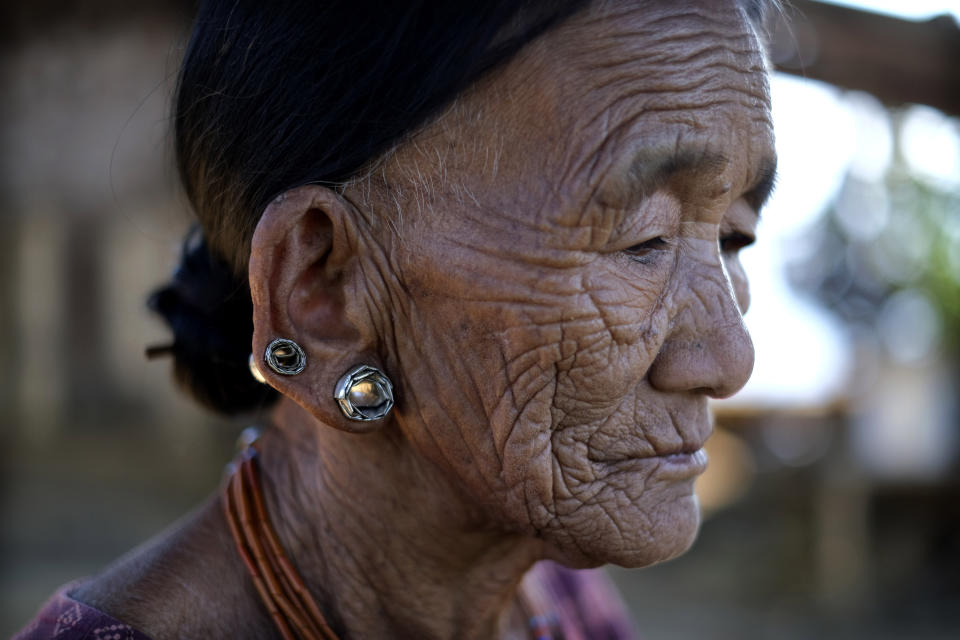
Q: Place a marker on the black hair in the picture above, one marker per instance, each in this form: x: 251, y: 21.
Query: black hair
x: 210, y: 313
x: 274, y: 95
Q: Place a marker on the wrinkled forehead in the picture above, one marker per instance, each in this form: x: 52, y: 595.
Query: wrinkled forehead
x: 651, y: 70
x: 673, y: 46
x: 687, y: 78
x: 616, y: 79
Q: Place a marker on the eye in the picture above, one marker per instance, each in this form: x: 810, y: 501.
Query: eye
x: 733, y: 242
x: 641, y: 252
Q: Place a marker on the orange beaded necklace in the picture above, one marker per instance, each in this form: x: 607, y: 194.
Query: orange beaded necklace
x: 293, y: 609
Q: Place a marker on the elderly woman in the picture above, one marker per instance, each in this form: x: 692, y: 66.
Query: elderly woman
x: 492, y: 255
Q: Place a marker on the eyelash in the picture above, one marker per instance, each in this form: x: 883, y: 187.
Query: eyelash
x: 640, y: 252
x: 734, y: 242
x: 730, y: 243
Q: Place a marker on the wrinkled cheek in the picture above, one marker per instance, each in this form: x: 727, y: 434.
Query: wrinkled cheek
x: 607, y: 370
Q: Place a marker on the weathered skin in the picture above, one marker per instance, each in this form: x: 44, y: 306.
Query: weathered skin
x: 549, y: 275
x: 542, y: 364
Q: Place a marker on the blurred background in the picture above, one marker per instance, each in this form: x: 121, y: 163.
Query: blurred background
x: 832, y: 503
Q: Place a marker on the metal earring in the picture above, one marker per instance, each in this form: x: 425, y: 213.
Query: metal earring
x: 364, y: 393
x: 285, y: 357
x: 255, y: 370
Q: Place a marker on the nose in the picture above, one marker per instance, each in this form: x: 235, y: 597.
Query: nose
x: 707, y: 348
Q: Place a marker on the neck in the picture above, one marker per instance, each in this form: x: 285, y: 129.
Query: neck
x: 387, y: 546
x: 384, y: 544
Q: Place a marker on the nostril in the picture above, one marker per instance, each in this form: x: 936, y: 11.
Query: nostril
x: 717, y: 365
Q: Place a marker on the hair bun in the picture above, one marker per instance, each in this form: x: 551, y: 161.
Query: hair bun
x: 210, y: 312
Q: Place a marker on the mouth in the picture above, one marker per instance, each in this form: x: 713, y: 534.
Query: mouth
x: 671, y: 445
x: 647, y: 451
x: 671, y: 455
x: 683, y: 464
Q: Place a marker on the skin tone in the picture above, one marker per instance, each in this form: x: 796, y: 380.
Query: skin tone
x: 549, y: 275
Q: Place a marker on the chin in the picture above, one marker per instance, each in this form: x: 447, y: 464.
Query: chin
x: 638, y: 534
x: 673, y: 532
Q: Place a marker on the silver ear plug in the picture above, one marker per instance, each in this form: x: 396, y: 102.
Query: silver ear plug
x: 285, y: 357
x: 364, y: 393
x: 255, y: 370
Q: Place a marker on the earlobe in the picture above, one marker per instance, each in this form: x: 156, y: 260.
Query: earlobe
x: 303, y: 261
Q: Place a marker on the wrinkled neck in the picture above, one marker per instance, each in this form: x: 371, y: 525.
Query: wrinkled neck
x: 387, y: 545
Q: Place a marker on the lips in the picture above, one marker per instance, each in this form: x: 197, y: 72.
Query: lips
x: 652, y: 430
x: 686, y: 449
x: 642, y: 449
x: 681, y: 465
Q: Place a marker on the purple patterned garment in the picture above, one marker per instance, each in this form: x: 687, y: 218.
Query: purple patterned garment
x: 64, y: 618
x: 578, y: 605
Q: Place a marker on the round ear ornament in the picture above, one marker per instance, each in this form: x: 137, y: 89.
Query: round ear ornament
x: 364, y: 393
x: 255, y: 370
x: 285, y: 357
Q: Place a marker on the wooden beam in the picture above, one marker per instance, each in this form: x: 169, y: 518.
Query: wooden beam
x: 899, y: 61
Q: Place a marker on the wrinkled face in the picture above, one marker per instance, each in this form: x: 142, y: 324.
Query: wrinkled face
x: 563, y: 283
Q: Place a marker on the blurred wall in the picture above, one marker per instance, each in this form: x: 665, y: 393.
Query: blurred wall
x: 100, y: 449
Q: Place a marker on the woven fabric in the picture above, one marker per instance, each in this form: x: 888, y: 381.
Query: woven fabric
x: 575, y: 605
x: 63, y: 618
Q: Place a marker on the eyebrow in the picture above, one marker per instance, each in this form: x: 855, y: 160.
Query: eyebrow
x: 653, y: 167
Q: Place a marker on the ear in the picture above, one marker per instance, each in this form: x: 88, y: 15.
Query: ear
x: 303, y: 263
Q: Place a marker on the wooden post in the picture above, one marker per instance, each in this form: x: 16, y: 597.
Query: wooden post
x: 899, y: 61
